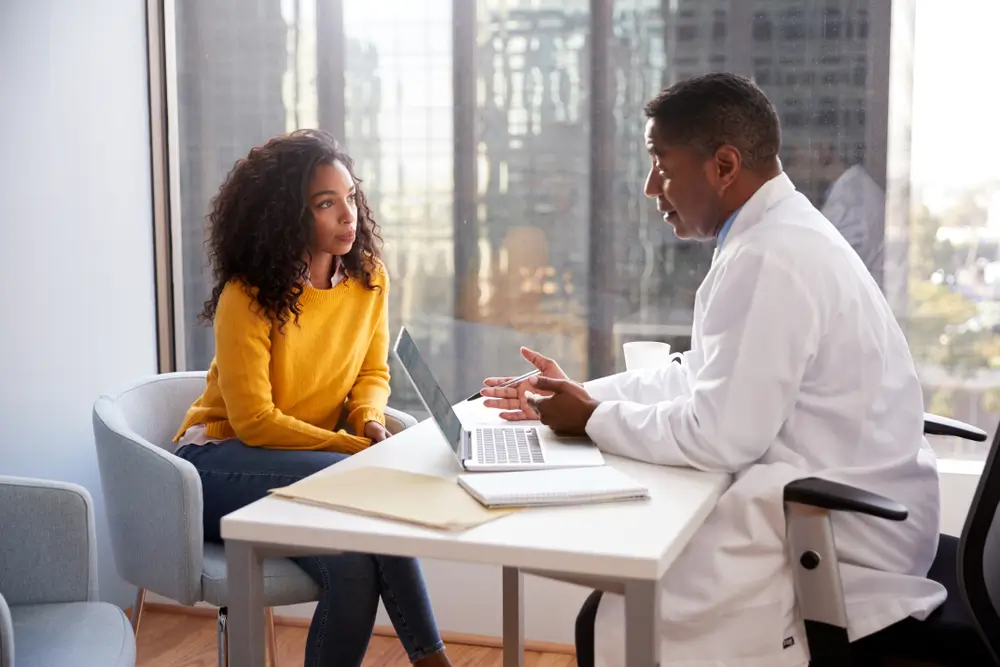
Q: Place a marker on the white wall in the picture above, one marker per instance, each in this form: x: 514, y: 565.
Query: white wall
x: 76, y: 255
x: 958, y: 486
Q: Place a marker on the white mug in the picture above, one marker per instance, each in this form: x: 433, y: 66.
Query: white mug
x: 647, y: 354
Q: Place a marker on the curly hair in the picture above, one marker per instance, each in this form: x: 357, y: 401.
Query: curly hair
x: 260, y: 227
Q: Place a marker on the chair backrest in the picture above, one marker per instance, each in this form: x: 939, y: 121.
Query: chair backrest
x: 979, y: 552
x: 155, y: 407
x: 48, y: 547
x: 153, y: 498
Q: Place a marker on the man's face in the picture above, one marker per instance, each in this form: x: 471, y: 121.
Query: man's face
x: 681, y: 180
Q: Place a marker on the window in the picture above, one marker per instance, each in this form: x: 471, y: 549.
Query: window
x: 792, y: 116
x: 793, y: 25
x: 762, y: 27
x: 859, y: 77
x: 832, y: 28
x: 687, y: 33
x: 483, y: 265
x: 954, y: 224
x: 861, y: 24
x: 826, y: 115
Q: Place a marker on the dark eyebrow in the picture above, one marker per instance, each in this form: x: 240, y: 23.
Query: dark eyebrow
x: 653, y: 150
x: 323, y: 193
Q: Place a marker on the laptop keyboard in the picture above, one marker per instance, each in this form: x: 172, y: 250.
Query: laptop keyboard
x: 508, y: 445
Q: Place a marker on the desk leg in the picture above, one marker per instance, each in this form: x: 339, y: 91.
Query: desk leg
x: 513, y: 617
x: 246, y: 605
x: 641, y: 612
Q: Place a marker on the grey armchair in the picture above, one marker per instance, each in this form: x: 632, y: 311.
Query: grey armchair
x: 48, y: 581
x: 154, y: 505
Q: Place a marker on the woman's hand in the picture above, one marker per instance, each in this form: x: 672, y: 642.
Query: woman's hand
x: 375, y: 432
x: 515, y: 401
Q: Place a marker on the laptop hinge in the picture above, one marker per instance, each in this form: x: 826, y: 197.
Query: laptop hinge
x: 466, y: 451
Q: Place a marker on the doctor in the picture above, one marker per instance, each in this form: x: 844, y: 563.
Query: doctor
x: 797, y: 368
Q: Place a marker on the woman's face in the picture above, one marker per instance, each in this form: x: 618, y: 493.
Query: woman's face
x: 332, y: 195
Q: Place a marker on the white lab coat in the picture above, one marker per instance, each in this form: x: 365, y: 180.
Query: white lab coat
x: 797, y: 368
x: 856, y: 207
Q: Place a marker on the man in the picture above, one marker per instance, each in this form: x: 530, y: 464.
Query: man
x: 797, y: 368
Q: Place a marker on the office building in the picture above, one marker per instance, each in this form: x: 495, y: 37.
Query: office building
x: 232, y: 57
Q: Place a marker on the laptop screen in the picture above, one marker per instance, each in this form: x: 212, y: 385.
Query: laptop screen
x: 429, y: 390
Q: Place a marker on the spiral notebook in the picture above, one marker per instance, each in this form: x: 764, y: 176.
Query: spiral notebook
x: 563, y: 486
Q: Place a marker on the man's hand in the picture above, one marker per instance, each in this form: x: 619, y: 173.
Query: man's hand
x: 568, y: 407
x: 512, y: 400
x: 375, y: 432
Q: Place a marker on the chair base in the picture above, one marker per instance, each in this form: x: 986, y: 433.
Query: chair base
x: 272, y: 636
x: 223, y: 636
x: 140, y: 601
x: 222, y: 629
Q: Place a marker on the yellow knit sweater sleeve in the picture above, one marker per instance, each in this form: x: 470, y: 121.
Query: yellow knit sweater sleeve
x: 243, y: 357
x: 370, y: 394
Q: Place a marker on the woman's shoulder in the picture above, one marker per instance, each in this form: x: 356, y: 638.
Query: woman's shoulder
x: 238, y: 289
x: 238, y: 299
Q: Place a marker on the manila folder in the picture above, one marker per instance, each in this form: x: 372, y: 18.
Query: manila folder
x: 388, y: 493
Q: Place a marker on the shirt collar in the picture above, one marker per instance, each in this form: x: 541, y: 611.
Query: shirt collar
x: 339, y: 274
x: 725, y: 227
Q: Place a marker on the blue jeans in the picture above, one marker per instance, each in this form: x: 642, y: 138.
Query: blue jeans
x: 234, y: 475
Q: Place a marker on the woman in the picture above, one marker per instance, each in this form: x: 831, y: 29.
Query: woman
x: 302, y: 340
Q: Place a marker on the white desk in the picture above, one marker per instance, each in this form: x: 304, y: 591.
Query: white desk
x: 623, y: 548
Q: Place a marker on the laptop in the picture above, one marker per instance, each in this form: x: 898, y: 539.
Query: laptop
x: 489, y: 447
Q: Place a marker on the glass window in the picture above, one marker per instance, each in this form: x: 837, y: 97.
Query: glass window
x: 551, y: 243
x: 233, y: 61
x: 952, y: 315
x: 793, y: 25
x: 762, y: 27
x: 687, y: 33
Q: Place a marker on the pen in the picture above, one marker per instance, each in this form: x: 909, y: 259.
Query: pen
x: 508, y: 383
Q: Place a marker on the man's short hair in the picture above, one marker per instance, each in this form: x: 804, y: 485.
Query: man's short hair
x: 706, y: 112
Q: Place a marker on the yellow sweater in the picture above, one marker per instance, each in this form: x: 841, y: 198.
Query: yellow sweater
x: 288, y: 390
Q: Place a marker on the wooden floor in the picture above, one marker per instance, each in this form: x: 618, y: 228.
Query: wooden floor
x: 184, y: 640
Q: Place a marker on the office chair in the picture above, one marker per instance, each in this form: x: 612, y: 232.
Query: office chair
x: 964, y: 631
x: 154, y: 506
x: 49, y: 613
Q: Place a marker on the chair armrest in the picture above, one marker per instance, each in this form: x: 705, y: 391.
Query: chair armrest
x: 48, y: 548
x: 824, y: 494
x: 6, y: 635
x: 397, y: 420
x: 935, y: 425
x: 154, y: 505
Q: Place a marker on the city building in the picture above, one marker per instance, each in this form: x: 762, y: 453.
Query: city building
x: 231, y: 64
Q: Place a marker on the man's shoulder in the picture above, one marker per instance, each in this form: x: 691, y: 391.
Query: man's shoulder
x: 795, y: 234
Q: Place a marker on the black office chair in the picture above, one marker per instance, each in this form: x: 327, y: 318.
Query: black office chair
x: 964, y: 631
